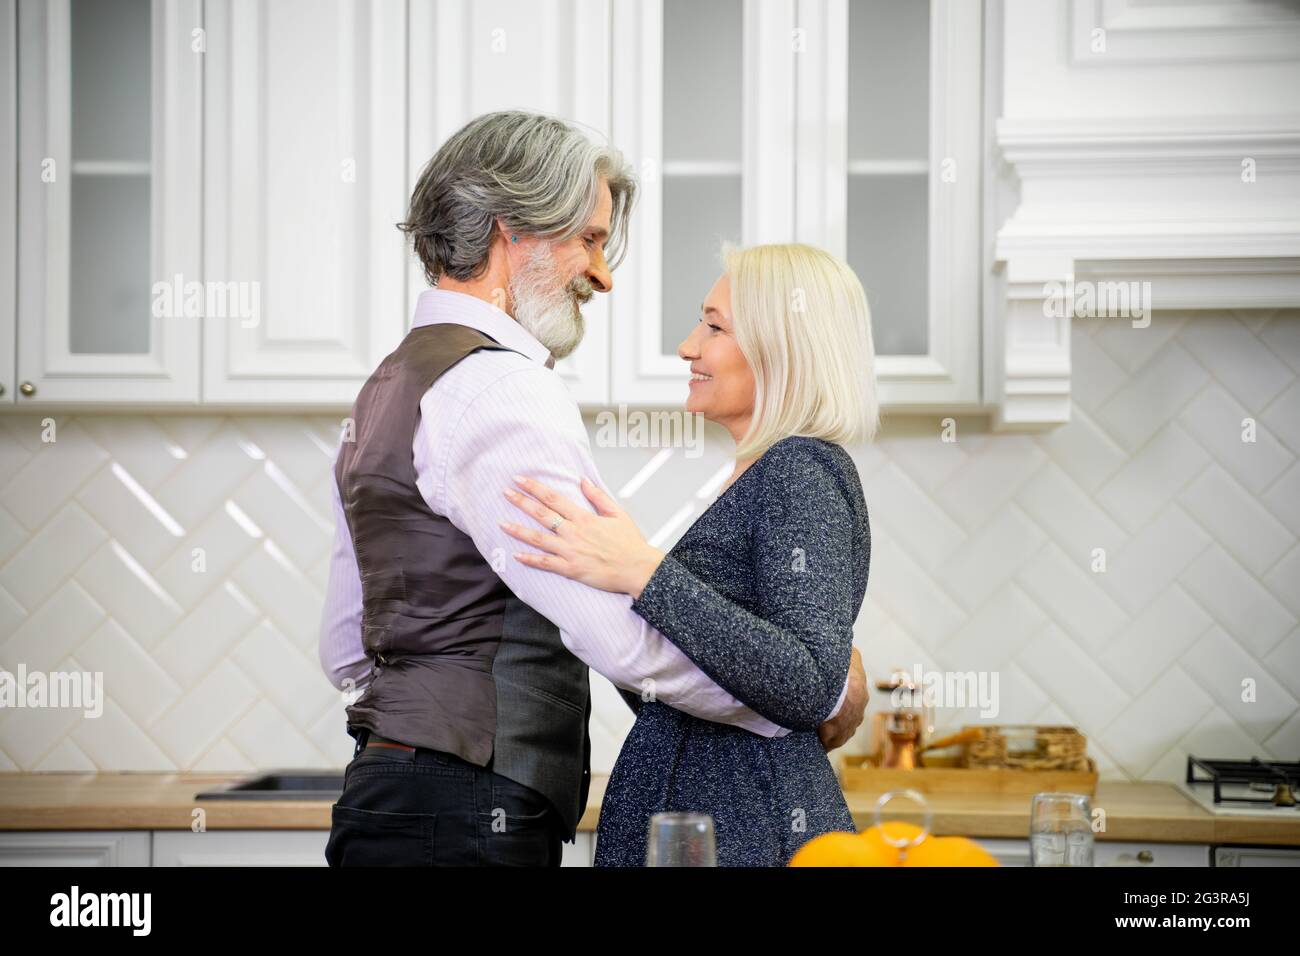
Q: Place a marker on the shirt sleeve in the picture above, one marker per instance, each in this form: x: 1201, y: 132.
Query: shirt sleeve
x: 342, y: 654
x: 789, y: 661
x: 526, y: 423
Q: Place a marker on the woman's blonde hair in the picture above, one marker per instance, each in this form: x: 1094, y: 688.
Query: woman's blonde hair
x: 802, y: 322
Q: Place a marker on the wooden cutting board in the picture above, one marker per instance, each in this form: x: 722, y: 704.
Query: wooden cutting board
x: 856, y: 774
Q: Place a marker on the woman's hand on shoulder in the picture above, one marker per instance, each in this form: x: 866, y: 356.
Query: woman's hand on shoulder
x: 604, y: 550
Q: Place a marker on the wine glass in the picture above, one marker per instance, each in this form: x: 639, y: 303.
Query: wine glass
x: 904, y: 843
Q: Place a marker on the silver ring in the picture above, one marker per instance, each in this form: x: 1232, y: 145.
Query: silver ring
x: 556, y: 523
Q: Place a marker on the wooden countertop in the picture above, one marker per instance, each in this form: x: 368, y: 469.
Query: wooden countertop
x: 1135, y: 812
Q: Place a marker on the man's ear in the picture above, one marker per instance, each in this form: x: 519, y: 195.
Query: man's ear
x: 508, y: 237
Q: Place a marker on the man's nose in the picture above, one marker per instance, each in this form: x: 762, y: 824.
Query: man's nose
x: 598, y: 274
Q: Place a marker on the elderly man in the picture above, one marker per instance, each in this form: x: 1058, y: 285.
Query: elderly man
x: 471, y: 734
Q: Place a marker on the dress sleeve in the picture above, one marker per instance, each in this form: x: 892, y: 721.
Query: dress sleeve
x: 789, y: 661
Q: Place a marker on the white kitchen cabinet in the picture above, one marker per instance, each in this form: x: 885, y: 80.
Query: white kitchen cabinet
x: 240, y: 848
x: 1006, y: 852
x: 1109, y: 853
x: 755, y: 121
x: 279, y: 848
x: 307, y: 848
x: 304, y: 113
x: 581, y: 852
x: 75, y: 848
x: 207, y: 193
x: 186, y: 848
x: 888, y: 176
x: 8, y: 194
x: 703, y: 103
x: 109, y: 126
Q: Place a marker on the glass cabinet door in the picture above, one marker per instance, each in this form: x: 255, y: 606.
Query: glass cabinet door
x: 109, y: 200
x: 703, y: 108
x: 702, y: 170
x: 888, y: 177
x: 110, y: 145
x: 889, y: 167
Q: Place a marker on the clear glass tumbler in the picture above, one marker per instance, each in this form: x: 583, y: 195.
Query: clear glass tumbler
x: 681, y: 839
x: 1060, y: 830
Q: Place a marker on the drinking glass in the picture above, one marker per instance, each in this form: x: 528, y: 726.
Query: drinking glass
x: 681, y: 839
x: 1060, y: 830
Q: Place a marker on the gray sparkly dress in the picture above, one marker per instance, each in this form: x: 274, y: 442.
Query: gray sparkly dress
x: 761, y: 593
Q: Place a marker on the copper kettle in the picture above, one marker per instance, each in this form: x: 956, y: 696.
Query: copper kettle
x: 902, y: 737
x: 903, y: 724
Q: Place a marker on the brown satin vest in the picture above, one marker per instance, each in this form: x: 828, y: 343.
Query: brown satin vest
x: 459, y: 663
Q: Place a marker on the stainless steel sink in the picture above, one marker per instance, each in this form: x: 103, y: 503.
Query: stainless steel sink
x: 325, y: 785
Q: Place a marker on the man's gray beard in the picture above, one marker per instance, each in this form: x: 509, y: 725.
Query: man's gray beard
x: 547, y: 311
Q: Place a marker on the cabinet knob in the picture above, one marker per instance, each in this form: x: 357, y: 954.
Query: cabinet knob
x: 27, y: 388
x: 1146, y: 856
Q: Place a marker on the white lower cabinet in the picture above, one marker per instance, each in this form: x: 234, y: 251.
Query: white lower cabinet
x: 580, y: 853
x: 307, y: 848
x: 1152, y: 854
x: 1107, y: 853
x: 280, y: 848
x: 1007, y: 852
x: 75, y: 848
x: 184, y: 848
x: 240, y: 848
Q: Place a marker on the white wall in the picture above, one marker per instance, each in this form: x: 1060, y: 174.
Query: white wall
x: 977, y: 549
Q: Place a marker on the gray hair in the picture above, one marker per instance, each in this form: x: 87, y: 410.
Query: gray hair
x: 538, y: 173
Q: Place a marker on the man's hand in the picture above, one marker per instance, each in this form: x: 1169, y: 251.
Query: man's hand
x: 837, y: 731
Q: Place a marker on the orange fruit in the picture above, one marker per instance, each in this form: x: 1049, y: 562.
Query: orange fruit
x: 948, y: 851
x: 843, y: 849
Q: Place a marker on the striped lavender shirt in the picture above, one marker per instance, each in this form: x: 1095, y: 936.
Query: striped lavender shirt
x: 493, y: 415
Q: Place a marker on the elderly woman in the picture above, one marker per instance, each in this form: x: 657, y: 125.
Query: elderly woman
x: 775, y: 570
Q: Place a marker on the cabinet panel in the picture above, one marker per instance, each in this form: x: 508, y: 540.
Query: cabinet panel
x: 75, y: 848
x: 1007, y: 852
x: 240, y: 848
x: 305, y: 112
x: 899, y: 199
x: 1108, y: 853
x: 696, y: 190
x: 897, y: 195
x: 8, y: 194
x: 109, y: 176
x: 580, y: 852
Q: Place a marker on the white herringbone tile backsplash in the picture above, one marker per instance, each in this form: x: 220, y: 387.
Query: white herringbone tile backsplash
x: 981, y: 560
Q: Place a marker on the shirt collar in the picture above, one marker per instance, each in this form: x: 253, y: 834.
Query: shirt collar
x: 460, y: 308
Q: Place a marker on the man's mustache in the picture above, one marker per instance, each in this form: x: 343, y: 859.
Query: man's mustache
x: 581, y: 290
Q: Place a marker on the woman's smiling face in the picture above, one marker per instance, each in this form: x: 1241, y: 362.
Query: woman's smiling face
x: 722, y: 383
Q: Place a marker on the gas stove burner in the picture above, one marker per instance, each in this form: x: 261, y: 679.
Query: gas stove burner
x: 1234, y: 781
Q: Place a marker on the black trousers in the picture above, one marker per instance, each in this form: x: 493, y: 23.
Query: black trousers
x: 430, y: 808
